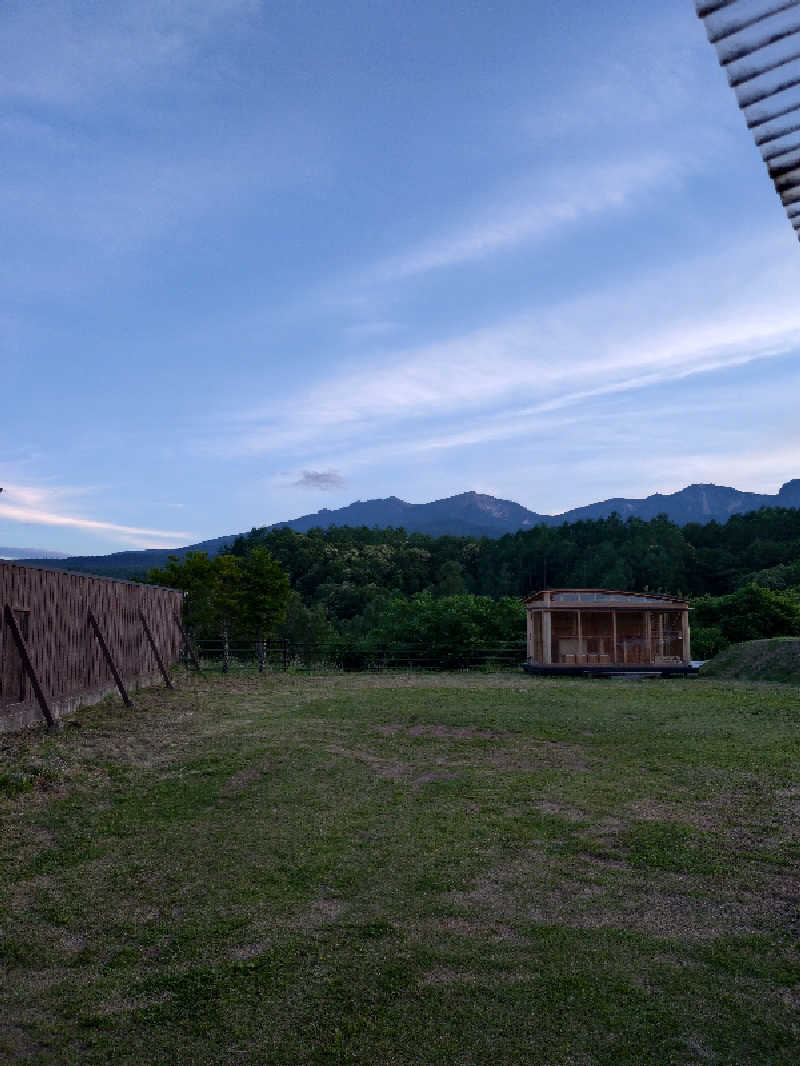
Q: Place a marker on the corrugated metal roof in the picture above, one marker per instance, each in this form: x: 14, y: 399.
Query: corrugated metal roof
x: 758, y: 46
x: 605, y: 598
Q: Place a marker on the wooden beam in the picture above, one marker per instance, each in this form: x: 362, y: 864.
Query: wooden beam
x: 154, y: 647
x: 28, y: 666
x: 108, y: 657
x: 187, y: 642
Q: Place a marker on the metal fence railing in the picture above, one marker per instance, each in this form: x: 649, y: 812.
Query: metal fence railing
x: 343, y: 654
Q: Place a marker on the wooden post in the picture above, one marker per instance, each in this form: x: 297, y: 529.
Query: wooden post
x: 112, y: 665
x: 648, y: 635
x: 28, y: 666
x: 547, y: 637
x: 226, y: 649
x: 192, y: 654
x: 686, y: 640
x: 285, y: 654
x: 614, y: 636
x: 152, y: 643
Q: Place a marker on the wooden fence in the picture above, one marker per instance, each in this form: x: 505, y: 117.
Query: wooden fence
x: 67, y: 639
x: 354, y: 654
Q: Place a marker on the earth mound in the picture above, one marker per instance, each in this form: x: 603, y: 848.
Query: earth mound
x: 776, y: 659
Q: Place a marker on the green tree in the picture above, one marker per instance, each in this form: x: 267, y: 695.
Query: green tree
x: 263, y: 591
x: 228, y: 596
x: 750, y: 613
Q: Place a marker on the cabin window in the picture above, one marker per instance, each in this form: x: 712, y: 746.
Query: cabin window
x: 632, y: 645
x: 668, y: 636
x: 567, y: 645
x: 597, y: 630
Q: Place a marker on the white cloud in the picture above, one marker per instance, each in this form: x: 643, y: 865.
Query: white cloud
x: 43, y: 506
x: 705, y: 317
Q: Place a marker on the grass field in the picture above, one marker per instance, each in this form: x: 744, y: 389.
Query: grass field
x: 448, y: 869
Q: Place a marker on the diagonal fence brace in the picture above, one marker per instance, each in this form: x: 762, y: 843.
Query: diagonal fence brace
x: 109, y: 659
x: 191, y: 653
x: 28, y: 666
x: 155, y: 650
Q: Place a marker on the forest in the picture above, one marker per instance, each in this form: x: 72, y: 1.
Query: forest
x: 743, y: 577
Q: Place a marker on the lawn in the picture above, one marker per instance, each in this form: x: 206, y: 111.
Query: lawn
x: 448, y: 869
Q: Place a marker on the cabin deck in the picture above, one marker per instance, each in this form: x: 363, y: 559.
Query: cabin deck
x: 610, y: 669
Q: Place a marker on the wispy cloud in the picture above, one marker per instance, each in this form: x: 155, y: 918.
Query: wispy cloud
x: 43, y: 506
x: 707, y: 317
x: 66, y: 54
x: 553, y: 201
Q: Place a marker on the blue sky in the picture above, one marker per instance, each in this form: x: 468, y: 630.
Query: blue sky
x: 263, y: 257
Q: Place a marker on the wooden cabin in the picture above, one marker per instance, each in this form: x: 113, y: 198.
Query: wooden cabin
x: 63, y: 636
x: 603, y: 631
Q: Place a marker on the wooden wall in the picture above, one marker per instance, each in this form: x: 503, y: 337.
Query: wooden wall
x: 52, y: 607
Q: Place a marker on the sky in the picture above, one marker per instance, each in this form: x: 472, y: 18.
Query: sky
x: 265, y: 256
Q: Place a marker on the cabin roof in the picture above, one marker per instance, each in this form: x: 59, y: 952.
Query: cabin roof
x: 603, y: 598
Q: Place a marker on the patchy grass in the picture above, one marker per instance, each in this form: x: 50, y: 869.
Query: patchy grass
x: 777, y: 660
x: 433, y: 869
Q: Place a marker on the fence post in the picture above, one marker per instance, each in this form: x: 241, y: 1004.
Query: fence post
x: 285, y: 654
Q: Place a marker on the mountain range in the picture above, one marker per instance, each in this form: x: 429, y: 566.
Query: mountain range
x: 467, y: 514
x: 13, y: 555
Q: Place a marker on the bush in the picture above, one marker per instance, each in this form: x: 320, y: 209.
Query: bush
x: 750, y: 613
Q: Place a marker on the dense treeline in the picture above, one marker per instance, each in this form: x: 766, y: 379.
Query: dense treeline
x: 344, y: 569
x: 387, y: 584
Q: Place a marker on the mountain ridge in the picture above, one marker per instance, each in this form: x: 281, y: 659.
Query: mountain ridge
x: 465, y: 514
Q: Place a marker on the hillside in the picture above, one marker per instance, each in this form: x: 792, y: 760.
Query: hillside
x: 468, y: 514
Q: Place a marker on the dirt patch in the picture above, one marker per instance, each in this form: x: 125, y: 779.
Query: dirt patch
x: 242, y: 780
x: 563, y: 810
x: 433, y: 775
x: 451, y: 732
x: 125, y: 1004
x: 385, y: 768
x: 325, y: 909
x: 541, y: 755
x: 483, y: 926
x: 249, y: 951
x: 584, y: 893
x: 467, y: 977
x: 73, y: 942
x: 443, y: 732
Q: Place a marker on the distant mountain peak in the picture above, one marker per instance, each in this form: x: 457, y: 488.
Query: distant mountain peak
x: 470, y: 513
